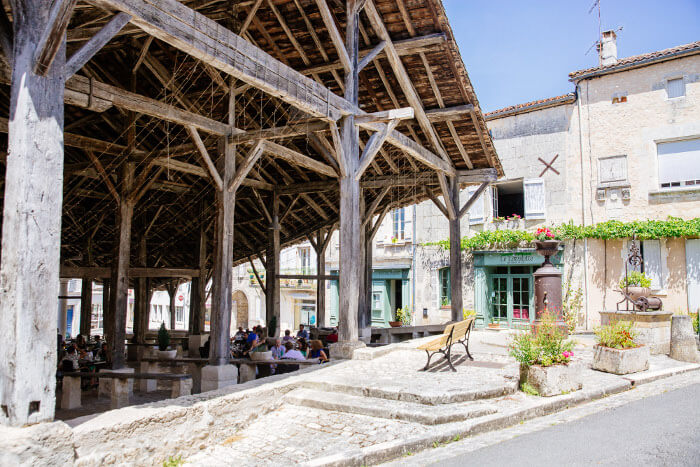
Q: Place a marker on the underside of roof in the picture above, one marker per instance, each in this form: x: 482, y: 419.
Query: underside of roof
x: 171, y: 176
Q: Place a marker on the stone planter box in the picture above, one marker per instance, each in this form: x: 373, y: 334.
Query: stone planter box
x: 653, y: 327
x: 167, y: 354
x: 553, y: 380
x: 621, y: 361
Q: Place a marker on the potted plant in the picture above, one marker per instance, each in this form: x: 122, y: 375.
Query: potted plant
x: 399, y: 322
x: 404, y: 316
x: 546, y: 243
x: 616, y: 350
x: 635, y: 284
x: 164, y: 343
x: 546, y: 368
x: 445, y: 303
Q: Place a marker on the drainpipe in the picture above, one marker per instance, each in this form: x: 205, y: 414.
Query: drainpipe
x: 413, y: 269
x: 583, y: 203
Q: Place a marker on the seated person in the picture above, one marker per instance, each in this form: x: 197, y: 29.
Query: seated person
x: 290, y: 353
x: 81, y: 343
x: 333, y: 336
x: 303, y: 346
x: 72, y: 356
x: 303, y: 333
x: 240, y: 335
x: 287, y: 337
x: 252, y: 338
x: 277, y: 349
x: 102, y: 353
x: 317, y: 352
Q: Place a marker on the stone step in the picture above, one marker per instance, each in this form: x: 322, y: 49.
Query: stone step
x: 390, y: 409
x: 433, y: 396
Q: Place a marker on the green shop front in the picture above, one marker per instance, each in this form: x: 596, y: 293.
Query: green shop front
x: 504, y: 286
x: 390, y: 290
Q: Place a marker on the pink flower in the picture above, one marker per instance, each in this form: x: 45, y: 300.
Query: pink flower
x: 567, y: 354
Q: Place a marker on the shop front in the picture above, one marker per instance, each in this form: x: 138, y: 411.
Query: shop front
x: 504, y: 286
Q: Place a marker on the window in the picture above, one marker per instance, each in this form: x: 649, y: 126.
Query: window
x: 398, y: 217
x: 524, y: 198
x: 679, y: 164
x: 96, y: 317
x: 675, y: 88
x: 305, y: 259
x: 444, y: 284
x: 179, y: 314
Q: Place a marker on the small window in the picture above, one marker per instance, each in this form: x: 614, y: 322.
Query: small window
x: 305, y: 260
x: 179, y: 314
x: 675, y: 88
x: 398, y: 218
x: 445, y: 289
x: 509, y: 199
x: 679, y: 163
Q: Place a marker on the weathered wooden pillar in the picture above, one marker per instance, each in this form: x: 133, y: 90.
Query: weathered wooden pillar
x: 223, y: 260
x: 106, y: 309
x: 365, y: 319
x: 141, y: 297
x: 85, y: 306
x: 272, y: 270
x: 322, y: 244
x: 350, y: 221
x: 362, y: 298
x: 119, y: 295
x: 197, y: 293
x: 455, y: 255
x: 31, y: 229
x: 172, y: 292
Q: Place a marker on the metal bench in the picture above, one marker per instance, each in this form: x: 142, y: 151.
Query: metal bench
x: 457, y: 333
x: 119, y: 391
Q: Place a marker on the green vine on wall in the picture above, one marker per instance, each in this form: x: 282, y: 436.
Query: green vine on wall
x: 673, y: 227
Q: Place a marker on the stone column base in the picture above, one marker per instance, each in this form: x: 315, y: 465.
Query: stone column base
x: 194, y: 342
x: 366, y: 335
x: 70, y: 396
x: 148, y: 385
x: 344, y: 350
x: 246, y: 373
x: 217, y: 377
x: 121, y: 389
x: 181, y: 387
x: 683, y: 344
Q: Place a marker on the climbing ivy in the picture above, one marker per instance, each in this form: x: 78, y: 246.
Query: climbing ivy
x: 673, y: 227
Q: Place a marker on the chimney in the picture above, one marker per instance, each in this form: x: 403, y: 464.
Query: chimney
x: 607, y: 48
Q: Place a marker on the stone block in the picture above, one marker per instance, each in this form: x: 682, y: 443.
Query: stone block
x: 195, y: 370
x: 344, y: 350
x: 621, y: 361
x: 683, y: 345
x: 553, y: 380
x: 71, y: 393
x: 148, y: 385
x: 246, y: 373
x: 653, y: 327
x: 217, y: 377
x: 40, y: 444
x: 181, y: 387
x: 121, y: 389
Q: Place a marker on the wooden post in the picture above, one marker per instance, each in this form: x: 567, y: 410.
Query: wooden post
x: 272, y: 269
x: 322, y: 244
x: 31, y: 229
x: 106, y: 309
x: 365, y: 320
x: 350, y: 222
x: 172, y: 291
x: 85, y: 307
x: 223, y: 260
x: 455, y: 255
x: 197, y: 293
x: 119, y: 295
x: 141, y: 298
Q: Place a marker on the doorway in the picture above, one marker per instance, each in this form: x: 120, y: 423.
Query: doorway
x: 511, y: 295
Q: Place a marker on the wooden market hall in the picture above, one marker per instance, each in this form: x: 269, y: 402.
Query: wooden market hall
x: 148, y: 140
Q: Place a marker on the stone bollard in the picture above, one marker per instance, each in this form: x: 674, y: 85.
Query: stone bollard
x: 148, y: 385
x: 246, y: 372
x: 181, y: 387
x: 120, y: 393
x: 683, y: 346
x: 70, y: 398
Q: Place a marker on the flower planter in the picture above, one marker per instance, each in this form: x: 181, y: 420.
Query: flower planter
x: 167, y: 354
x: 553, y: 380
x: 621, y: 361
x: 547, y: 248
x: 494, y: 325
x: 395, y: 324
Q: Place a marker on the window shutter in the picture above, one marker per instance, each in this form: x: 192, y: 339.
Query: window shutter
x: 652, y: 263
x: 533, y: 189
x: 494, y: 201
x: 435, y: 292
x: 675, y: 88
x: 476, y: 211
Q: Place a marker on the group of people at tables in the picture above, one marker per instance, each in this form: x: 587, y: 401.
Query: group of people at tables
x: 81, y: 354
x: 287, y: 347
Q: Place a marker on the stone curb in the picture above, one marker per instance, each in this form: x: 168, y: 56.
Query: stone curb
x: 663, y: 373
x: 394, y: 449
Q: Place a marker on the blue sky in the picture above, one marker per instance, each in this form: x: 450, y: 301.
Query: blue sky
x: 522, y: 50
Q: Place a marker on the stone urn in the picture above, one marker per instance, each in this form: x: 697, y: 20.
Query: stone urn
x: 167, y: 354
x: 553, y: 380
x: 547, y: 248
x: 621, y: 361
x: 635, y: 292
